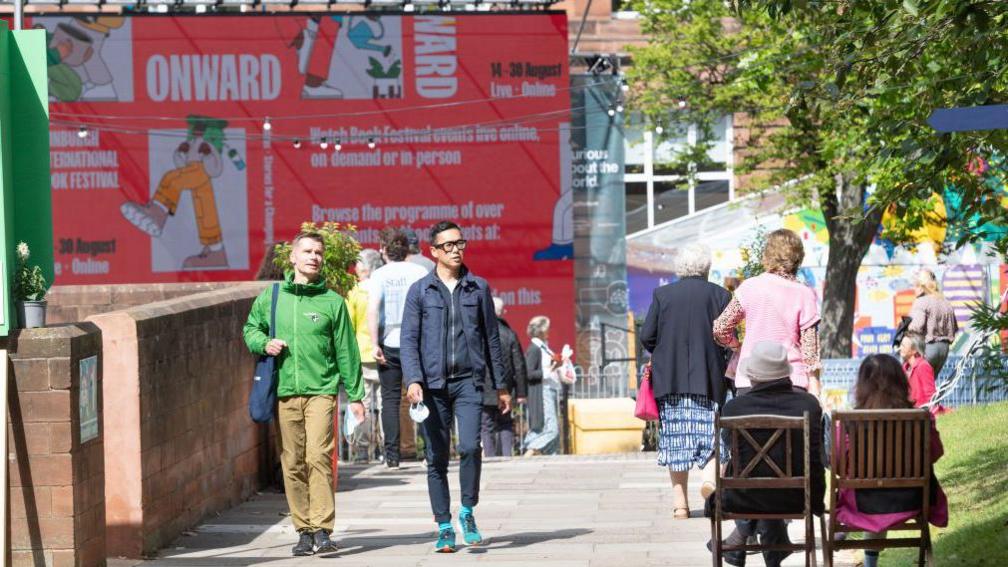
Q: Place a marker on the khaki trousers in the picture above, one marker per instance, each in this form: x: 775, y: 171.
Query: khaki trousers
x: 306, y: 448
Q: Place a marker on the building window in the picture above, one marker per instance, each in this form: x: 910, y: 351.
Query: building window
x: 659, y: 188
x: 636, y: 207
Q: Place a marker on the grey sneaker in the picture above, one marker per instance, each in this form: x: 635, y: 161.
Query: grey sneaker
x: 304, y: 546
x: 322, y: 542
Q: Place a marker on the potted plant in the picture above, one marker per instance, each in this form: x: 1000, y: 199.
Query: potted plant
x: 29, y: 291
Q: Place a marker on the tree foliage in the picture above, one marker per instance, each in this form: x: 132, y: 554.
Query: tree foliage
x: 835, y: 96
x: 341, y: 251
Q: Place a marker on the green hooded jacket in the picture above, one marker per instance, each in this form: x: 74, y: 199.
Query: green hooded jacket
x: 321, y: 348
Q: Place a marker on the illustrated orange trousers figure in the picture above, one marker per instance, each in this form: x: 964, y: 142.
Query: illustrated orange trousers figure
x: 324, y: 48
x: 193, y: 177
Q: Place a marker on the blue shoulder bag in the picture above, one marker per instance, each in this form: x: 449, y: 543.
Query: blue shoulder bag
x: 263, y: 397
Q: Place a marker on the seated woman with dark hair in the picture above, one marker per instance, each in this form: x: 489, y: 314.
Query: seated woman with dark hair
x: 881, y: 384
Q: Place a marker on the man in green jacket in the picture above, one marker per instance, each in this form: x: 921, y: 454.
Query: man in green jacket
x: 316, y: 351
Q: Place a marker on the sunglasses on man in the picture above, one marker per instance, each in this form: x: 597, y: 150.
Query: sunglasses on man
x: 452, y: 245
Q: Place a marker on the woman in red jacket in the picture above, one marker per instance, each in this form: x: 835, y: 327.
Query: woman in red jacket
x: 920, y: 375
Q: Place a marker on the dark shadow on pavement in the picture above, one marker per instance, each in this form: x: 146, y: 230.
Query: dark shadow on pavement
x: 525, y: 539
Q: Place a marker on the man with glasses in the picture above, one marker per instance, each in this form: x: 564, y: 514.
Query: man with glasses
x: 449, y: 346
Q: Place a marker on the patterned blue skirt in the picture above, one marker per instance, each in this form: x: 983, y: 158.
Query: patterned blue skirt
x: 686, y: 431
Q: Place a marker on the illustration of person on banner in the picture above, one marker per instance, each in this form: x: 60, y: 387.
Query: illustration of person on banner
x: 562, y: 247
x: 319, y: 49
x: 76, y: 68
x: 198, y: 160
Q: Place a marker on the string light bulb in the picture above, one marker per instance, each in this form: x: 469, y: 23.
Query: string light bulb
x: 82, y: 132
x: 619, y: 107
x: 682, y: 103
x: 338, y: 145
x: 297, y: 143
x: 658, y: 129
x: 371, y: 143
x: 624, y: 85
x: 324, y: 143
x: 611, y: 111
x: 266, y: 124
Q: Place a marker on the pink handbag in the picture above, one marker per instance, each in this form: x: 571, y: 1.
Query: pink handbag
x: 647, y: 408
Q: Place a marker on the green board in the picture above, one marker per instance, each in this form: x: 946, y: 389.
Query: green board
x: 24, y: 158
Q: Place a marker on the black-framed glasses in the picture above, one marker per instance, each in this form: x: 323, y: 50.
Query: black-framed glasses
x: 452, y: 245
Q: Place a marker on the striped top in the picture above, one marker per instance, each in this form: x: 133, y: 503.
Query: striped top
x: 778, y: 309
x: 933, y: 317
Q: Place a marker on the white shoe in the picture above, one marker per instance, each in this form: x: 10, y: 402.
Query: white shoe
x: 321, y: 91
x: 149, y: 218
x: 100, y: 92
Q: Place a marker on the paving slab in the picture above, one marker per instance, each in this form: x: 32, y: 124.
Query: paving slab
x: 568, y: 511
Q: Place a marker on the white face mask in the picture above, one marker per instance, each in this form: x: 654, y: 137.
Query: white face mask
x: 352, y: 429
x: 418, y: 412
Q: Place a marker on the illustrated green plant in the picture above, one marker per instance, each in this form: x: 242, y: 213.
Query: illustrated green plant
x: 341, y: 251
x: 29, y: 283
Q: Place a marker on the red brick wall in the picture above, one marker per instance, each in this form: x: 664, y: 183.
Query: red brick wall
x: 69, y: 303
x: 57, y: 485
x: 181, y: 444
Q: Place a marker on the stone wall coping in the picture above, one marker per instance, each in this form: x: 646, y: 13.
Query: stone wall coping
x: 139, y: 287
x: 176, y: 306
x: 54, y: 341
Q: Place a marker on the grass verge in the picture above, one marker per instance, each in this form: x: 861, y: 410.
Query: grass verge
x: 974, y: 475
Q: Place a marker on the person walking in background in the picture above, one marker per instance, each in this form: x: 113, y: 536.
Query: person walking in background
x: 415, y: 255
x: 543, y: 390
x: 498, y: 428
x: 932, y: 315
x: 776, y: 307
x: 688, y: 370
x: 316, y: 352
x: 386, y: 302
x: 368, y: 261
x: 450, y: 346
x: 920, y: 375
x: 882, y: 385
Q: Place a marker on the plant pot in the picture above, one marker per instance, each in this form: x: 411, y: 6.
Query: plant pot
x: 31, y: 314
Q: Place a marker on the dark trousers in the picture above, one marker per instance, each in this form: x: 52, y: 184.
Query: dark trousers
x: 771, y: 532
x: 459, y: 399
x: 390, y: 376
x: 497, y: 432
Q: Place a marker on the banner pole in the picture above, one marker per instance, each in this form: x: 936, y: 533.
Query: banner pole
x: 18, y: 14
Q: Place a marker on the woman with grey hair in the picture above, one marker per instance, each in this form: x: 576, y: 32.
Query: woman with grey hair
x: 687, y: 370
x: 543, y: 390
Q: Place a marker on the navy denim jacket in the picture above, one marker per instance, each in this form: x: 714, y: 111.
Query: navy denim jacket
x: 424, y: 332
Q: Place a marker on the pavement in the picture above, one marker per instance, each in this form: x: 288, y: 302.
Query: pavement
x: 564, y: 511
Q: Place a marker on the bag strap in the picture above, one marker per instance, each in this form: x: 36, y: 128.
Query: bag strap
x: 273, y: 304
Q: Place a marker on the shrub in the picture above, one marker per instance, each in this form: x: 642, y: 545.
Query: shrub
x: 341, y: 250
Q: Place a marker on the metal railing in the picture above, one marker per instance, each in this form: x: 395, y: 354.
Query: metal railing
x: 980, y: 385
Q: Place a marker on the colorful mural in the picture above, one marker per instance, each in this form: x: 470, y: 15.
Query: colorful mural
x: 968, y: 274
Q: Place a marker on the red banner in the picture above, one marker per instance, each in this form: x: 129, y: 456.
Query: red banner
x: 374, y: 120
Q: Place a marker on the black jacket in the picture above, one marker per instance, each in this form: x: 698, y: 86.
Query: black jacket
x: 514, y: 365
x: 778, y: 398
x: 534, y: 375
x: 426, y: 341
x: 679, y: 332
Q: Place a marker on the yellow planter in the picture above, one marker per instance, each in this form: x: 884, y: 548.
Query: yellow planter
x: 603, y: 426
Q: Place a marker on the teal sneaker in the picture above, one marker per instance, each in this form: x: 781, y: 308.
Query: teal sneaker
x: 470, y: 532
x: 445, y: 541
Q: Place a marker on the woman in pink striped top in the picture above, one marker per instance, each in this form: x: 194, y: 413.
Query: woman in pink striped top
x: 776, y: 307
